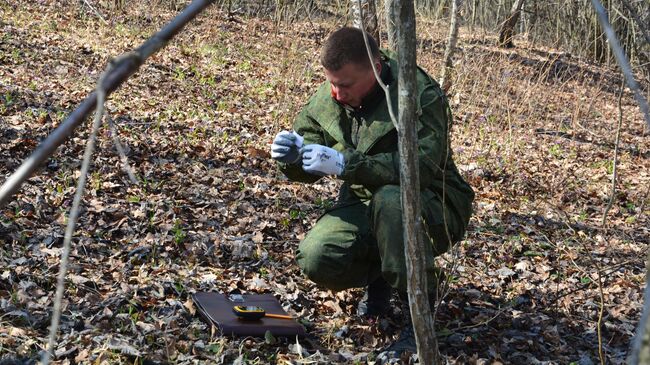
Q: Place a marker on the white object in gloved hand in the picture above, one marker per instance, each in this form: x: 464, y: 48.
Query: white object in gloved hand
x: 320, y: 160
x: 286, y: 146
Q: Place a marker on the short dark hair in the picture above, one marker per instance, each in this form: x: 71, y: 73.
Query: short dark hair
x: 345, y: 46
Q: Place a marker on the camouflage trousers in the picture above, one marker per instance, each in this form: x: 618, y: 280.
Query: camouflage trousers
x: 352, y: 245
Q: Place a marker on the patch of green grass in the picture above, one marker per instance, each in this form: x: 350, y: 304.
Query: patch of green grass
x: 179, y: 74
x: 324, y: 203
x: 7, y: 99
x: 244, y: 66
x: 60, y: 115
x: 208, y: 80
x: 284, y: 222
x: 178, y: 232
x: 216, y: 53
x: 556, y: 151
x: 215, y: 348
x: 15, y: 56
x: 582, y: 216
x: 179, y: 287
x: 263, y: 272
x: 96, y: 180
x: 295, y: 214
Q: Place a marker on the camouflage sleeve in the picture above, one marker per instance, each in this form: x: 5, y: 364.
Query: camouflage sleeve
x: 383, y: 168
x: 307, y: 127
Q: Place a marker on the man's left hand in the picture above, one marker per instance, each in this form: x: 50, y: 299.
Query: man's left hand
x: 321, y: 160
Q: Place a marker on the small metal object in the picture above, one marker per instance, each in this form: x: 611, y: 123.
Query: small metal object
x: 236, y: 298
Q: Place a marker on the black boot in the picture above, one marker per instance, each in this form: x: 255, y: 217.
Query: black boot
x: 376, y: 301
x: 406, y: 340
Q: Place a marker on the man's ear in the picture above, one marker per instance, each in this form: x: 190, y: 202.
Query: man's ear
x: 378, y: 66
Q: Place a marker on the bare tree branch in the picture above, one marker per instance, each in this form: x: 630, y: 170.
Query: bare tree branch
x: 644, y: 28
x: 621, y: 59
x: 120, y: 74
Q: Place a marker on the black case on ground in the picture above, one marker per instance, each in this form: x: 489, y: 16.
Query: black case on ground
x: 216, y: 309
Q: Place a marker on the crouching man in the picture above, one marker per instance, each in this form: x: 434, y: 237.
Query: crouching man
x: 345, y: 131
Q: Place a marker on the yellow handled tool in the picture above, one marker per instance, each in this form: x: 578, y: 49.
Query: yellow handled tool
x: 253, y: 313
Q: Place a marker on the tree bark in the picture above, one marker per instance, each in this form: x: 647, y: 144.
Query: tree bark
x: 643, y: 27
x: 391, y: 28
x: 640, y: 352
x: 422, y: 318
x: 368, y: 11
x: 508, y: 27
x: 445, y: 77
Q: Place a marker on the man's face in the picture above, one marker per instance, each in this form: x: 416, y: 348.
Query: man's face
x: 351, y: 83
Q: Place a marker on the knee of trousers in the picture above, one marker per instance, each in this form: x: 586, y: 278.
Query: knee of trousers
x: 386, y: 205
x: 321, y: 266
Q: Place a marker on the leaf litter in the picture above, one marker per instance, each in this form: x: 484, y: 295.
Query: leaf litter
x: 211, y: 212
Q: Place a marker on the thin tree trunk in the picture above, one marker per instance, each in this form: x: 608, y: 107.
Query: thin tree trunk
x: 623, y: 62
x: 391, y: 28
x: 640, y: 352
x: 508, y: 27
x: 422, y: 318
x: 369, y: 12
x: 445, y: 77
x: 645, y: 29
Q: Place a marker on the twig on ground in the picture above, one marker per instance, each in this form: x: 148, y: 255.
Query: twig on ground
x: 102, y: 91
x: 120, y: 150
x: 601, y: 304
x: 606, y: 272
x: 96, y: 11
x: 72, y: 219
x: 615, y: 162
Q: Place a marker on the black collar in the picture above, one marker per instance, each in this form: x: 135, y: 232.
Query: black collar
x: 376, y: 95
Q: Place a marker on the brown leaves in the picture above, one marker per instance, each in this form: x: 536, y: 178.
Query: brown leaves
x: 211, y: 212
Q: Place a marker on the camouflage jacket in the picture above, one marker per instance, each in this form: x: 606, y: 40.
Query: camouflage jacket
x: 368, y: 141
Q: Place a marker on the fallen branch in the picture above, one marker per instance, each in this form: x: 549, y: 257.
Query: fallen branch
x: 616, y: 143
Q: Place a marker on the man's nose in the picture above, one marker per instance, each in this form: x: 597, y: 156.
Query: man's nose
x: 338, y: 95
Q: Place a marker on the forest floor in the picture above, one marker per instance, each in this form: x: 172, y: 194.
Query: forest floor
x: 534, y: 135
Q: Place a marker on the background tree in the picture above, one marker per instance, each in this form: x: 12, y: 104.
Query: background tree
x: 508, y: 27
x: 445, y: 77
x: 391, y: 27
x: 368, y: 11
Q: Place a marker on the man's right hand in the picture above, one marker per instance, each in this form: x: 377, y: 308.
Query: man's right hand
x: 285, y: 147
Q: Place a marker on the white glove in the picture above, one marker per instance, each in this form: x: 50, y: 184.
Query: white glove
x: 321, y: 160
x: 286, y: 147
